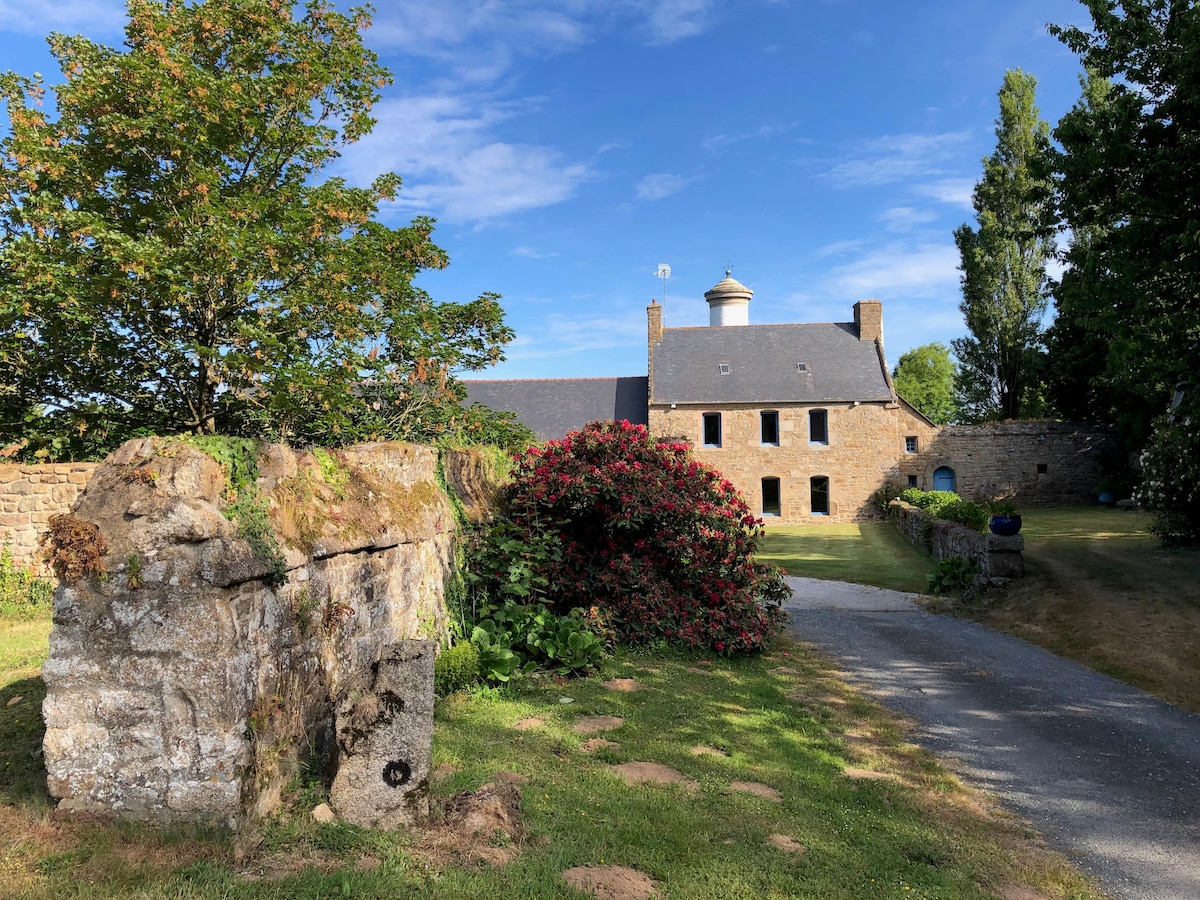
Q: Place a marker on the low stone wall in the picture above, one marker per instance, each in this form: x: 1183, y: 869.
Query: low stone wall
x: 187, y: 683
x: 29, y: 496
x: 999, y: 558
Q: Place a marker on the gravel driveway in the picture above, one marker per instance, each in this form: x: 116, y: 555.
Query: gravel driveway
x: 1110, y: 775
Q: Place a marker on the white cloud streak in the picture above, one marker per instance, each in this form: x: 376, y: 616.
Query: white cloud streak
x: 893, y: 158
x: 660, y: 185
x: 454, y: 167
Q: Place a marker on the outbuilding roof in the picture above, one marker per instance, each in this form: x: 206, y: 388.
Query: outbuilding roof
x: 765, y: 364
x: 550, y: 407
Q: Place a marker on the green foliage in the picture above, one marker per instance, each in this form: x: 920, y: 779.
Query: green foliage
x: 947, y: 506
x: 519, y: 638
x: 1129, y: 187
x: 21, y: 592
x: 1004, y: 263
x: 924, y: 377
x: 171, y: 261
x: 238, y: 457
x: 1170, y: 477
x: 953, y: 575
x: 456, y: 667
x: 882, y: 498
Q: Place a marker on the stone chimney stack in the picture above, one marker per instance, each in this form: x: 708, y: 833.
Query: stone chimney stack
x: 654, y: 323
x: 728, y: 302
x: 868, y: 319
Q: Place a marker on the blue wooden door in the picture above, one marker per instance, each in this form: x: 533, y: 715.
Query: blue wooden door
x: 943, y: 479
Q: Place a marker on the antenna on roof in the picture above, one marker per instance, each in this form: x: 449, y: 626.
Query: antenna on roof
x: 664, y: 272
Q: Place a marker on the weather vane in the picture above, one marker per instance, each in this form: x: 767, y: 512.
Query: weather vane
x: 664, y: 272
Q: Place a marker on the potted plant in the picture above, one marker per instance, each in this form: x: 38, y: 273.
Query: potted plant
x: 1004, y: 519
x: 1106, y: 491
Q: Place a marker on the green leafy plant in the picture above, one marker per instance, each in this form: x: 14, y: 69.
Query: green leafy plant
x: 455, y: 668
x: 19, y: 587
x: 133, y: 571
x: 1005, y: 507
x: 953, y: 575
x: 883, y: 497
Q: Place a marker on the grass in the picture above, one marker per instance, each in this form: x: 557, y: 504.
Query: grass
x: 1101, y: 590
x: 781, y: 718
x: 870, y: 553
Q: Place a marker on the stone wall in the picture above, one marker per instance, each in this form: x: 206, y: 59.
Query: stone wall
x: 866, y: 446
x: 29, y: 496
x: 999, y: 558
x: 1037, y: 463
x: 187, y: 684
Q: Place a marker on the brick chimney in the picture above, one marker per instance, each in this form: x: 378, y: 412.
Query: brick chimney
x: 654, y: 332
x: 868, y: 319
x: 654, y: 322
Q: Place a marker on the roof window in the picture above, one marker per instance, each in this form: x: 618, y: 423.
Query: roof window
x: 801, y: 368
x: 723, y: 368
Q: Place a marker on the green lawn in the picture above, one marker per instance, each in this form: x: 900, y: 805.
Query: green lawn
x: 873, y: 815
x: 870, y: 553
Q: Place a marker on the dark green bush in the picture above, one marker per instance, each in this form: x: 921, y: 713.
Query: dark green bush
x: 953, y: 575
x: 515, y: 638
x: 455, y: 668
x: 963, y: 512
x: 883, y: 497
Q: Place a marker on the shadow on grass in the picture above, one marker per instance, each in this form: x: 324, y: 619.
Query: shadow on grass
x: 22, y: 771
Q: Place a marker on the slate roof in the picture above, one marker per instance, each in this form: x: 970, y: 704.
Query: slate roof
x: 551, y: 407
x: 762, y: 364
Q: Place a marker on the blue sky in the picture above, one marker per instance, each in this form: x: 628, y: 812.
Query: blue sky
x: 825, y: 148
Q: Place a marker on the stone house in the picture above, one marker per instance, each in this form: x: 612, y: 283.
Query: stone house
x: 804, y: 419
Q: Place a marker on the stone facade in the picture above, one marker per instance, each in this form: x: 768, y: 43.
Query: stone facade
x: 1035, y: 463
x: 29, y: 496
x: 864, y: 447
x: 187, y: 684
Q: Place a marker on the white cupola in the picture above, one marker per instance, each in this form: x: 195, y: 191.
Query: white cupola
x: 728, y: 302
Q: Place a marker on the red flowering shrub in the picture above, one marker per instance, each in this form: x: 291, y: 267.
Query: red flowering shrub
x: 655, y: 545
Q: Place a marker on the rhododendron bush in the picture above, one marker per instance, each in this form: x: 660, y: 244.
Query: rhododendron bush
x: 654, y: 545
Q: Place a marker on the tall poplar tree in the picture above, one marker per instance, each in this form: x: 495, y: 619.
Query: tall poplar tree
x: 1003, y: 263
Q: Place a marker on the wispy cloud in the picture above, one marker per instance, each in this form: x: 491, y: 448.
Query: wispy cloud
x: 955, y: 191
x: 719, y: 142
x: 446, y: 149
x: 838, y: 248
x: 532, y: 253
x: 924, y: 270
x: 893, y: 158
x: 660, y: 185
x: 904, y: 218
x: 496, y: 31
x: 38, y: 17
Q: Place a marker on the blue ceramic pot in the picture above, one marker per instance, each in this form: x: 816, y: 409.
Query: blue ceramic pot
x: 1006, y: 526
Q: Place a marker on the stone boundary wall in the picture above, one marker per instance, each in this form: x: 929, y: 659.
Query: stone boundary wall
x: 999, y: 559
x: 1036, y: 463
x: 188, y: 684
x: 29, y: 496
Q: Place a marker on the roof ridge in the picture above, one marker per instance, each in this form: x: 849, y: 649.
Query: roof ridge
x: 519, y: 380
x: 760, y: 325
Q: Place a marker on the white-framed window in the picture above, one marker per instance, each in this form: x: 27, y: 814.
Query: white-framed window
x: 768, y: 428
x: 771, y: 500
x: 710, y: 429
x: 910, y: 444
x: 818, y: 490
x: 818, y: 426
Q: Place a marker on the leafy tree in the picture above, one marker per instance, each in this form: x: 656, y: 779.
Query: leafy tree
x: 1004, y: 263
x: 169, y: 259
x: 924, y: 377
x: 1129, y: 186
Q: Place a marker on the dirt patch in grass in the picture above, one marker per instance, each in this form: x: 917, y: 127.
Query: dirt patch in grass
x: 594, y: 724
x: 1099, y: 589
x: 624, y: 685
x: 477, y: 826
x: 654, y: 773
x: 758, y: 789
x: 611, y: 882
x: 787, y: 844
